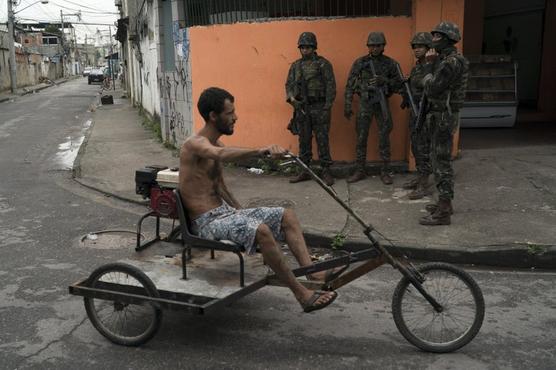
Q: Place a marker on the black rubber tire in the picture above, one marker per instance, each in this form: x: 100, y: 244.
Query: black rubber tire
x: 153, y: 313
x: 441, y: 294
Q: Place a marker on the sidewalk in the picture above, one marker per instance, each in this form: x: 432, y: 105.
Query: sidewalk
x: 7, y: 95
x: 505, y: 206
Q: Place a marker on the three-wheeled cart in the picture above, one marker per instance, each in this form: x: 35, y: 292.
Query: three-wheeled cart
x: 437, y: 307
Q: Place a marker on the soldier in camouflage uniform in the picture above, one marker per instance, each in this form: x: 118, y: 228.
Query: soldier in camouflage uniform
x: 445, y: 91
x: 419, y: 136
x: 363, y: 82
x: 311, y: 89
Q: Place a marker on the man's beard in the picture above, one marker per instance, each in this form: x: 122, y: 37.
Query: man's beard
x: 223, y: 128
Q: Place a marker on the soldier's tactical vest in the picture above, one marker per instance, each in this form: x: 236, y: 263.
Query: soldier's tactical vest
x: 311, y: 71
x: 455, y: 94
x: 416, y: 80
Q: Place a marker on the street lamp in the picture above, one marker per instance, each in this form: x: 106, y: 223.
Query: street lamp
x: 11, y: 41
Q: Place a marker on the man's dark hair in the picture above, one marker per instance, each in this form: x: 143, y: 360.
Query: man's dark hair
x: 212, y: 100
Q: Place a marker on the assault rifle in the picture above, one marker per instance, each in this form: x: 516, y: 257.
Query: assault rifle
x: 422, y: 114
x: 300, y: 105
x: 381, y: 96
x: 408, y: 92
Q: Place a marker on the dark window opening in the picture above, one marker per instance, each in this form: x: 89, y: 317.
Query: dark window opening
x: 205, y: 12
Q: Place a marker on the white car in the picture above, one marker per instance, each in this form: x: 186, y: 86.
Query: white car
x: 87, y: 71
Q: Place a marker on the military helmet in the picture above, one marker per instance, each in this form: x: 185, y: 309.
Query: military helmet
x: 307, y: 39
x: 422, y: 38
x: 448, y: 29
x: 376, y: 38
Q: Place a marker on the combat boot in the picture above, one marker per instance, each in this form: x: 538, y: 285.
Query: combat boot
x: 303, y: 176
x: 432, y: 207
x: 359, y: 174
x: 411, y: 184
x: 441, y: 216
x: 327, y: 177
x: 422, y: 189
x: 386, y: 177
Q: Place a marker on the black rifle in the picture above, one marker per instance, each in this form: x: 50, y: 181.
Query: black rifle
x: 300, y: 113
x: 381, y: 96
x: 408, y: 92
x: 422, y: 114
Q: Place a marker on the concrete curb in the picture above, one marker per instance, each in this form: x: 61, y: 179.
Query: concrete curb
x: 35, y: 89
x: 511, y: 255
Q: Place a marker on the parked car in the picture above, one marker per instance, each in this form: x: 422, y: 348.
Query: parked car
x: 96, y: 75
x: 87, y: 71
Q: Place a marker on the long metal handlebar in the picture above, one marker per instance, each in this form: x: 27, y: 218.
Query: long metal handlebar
x: 367, y: 228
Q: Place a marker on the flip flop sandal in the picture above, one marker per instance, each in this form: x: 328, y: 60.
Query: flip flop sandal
x: 311, y: 305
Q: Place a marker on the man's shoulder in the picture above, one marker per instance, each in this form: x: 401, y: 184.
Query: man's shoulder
x: 388, y: 60
x: 195, y: 141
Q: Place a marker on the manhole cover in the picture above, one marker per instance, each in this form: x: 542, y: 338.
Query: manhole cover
x: 112, y: 240
x: 270, y: 202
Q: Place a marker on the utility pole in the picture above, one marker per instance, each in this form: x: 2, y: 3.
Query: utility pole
x: 11, y: 45
x: 111, y: 60
x: 62, y: 43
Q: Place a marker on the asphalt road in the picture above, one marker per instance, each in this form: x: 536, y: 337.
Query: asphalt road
x: 44, y: 214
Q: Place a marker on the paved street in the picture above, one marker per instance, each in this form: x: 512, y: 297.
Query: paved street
x: 44, y: 214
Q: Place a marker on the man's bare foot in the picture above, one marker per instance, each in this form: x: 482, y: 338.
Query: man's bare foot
x: 317, y: 300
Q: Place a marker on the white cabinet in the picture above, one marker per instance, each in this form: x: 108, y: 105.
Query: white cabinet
x: 491, y: 97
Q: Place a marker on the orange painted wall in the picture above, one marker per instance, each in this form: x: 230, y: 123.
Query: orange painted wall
x: 251, y: 60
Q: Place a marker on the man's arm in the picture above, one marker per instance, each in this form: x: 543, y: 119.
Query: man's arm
x: 223, y: 191
x: 202, y: 147
x: 439, y: 81
x: 330, y: 81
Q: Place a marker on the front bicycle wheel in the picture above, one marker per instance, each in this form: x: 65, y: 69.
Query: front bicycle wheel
x: 463, y: 309
x: 122, y: 322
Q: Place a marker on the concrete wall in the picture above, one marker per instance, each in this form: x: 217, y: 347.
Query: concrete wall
x: 175, y: 83
x: 143, y: 56
x: 251, y: 60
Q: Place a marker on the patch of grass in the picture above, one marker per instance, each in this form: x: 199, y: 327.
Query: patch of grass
x: 338, y: 241
x: 151, y: 124
x: 535, y: 249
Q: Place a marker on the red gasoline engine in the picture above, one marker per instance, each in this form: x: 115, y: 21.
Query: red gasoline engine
x: 158, y: 183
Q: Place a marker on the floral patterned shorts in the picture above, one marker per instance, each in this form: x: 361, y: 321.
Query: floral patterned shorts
x: 238, y: 225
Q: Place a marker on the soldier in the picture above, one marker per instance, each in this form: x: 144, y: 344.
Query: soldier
x: 374, y: 78
x: 419, y: 136
x: 445, y: 91
x: 311, y: 89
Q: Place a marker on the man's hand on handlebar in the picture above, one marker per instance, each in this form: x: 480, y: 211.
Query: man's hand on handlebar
x: 273, y: 151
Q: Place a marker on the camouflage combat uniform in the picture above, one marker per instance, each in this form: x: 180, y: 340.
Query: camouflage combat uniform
x: 320, y: 87
x: 445, y: 89
x: 358, y: 83
x: 420, y: 139
x: 446, y: 92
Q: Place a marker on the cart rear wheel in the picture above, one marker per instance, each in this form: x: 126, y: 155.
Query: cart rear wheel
x: 125, y: 323
x: 446, y: 331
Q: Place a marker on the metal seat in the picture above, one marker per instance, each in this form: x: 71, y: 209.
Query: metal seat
x: 189, y: 240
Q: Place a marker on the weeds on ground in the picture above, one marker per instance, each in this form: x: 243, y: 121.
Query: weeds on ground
x: 535, y: 249
x: 338, y: 241
x: 151, y: 124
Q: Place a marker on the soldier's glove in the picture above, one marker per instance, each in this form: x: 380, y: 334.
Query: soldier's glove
x: 348, y: 112
x: 377, y: 81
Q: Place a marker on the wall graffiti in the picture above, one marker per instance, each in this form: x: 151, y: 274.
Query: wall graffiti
x: 175, y: 87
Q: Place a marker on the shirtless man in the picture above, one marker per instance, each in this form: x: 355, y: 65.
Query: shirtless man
x: 217, y: 215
